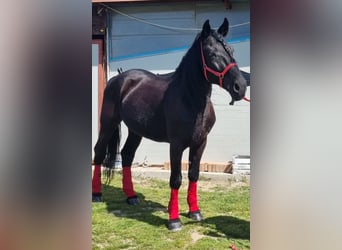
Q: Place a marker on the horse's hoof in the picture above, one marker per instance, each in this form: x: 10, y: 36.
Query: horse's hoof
x: 197, y: 216
x: 133, y: 200
x: 96, y: 198
x: 174, y: 225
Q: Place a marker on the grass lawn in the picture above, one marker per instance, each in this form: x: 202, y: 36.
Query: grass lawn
x: 116, y: 225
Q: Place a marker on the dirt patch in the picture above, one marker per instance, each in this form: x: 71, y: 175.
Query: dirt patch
x: 195, y: 236
x: 213, y: 185
x: 203, y: 185
x: 207, y: 182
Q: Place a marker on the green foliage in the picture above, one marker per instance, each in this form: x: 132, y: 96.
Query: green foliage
x: 117, y: 225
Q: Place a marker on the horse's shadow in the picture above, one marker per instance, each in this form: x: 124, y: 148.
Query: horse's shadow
x: 230, y: 227
x: 217, y: 226
x: 116, y: 204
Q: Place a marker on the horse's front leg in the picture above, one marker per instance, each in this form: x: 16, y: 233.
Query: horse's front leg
x: 195, y: 155
x: 176, y: 152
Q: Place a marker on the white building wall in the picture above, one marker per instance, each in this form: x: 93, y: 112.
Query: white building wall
x: 95, y: 93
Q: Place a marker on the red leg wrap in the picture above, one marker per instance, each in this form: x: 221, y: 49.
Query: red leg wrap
x: 173, y: 205
x: 96, y: 182
x: 127, y: 184
x: 192, y: 197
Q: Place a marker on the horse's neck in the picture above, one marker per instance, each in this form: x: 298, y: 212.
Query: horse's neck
x: 193, y: 84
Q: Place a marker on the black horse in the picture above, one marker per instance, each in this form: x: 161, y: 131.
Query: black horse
x: 173, y: 108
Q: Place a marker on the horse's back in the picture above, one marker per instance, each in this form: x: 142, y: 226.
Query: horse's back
x: 141, y: 102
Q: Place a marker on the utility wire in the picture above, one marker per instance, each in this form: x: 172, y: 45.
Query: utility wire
x: 160, y: 25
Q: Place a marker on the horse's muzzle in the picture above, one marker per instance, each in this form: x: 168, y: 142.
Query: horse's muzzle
x: 238, y: 90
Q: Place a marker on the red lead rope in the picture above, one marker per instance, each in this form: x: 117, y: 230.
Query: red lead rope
x: 246, y: 99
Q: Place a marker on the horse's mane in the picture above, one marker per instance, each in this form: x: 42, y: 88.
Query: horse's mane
x: 185, y: 62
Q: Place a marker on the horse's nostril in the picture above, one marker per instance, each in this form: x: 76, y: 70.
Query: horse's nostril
x: 236, y: 88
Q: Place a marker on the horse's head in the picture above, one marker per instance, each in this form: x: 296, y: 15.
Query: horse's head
x: 219, y: 65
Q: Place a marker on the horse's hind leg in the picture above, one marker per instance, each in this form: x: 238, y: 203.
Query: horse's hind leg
x: 100, y: 153
x: 105, y: 136
x: 195, y: 155
x: 109, y: 128
x: 127, y: 155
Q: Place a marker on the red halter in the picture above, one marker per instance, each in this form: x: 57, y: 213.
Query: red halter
x: 220, y: 75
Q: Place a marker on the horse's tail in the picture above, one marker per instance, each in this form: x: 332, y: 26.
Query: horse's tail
x: 113, y: 150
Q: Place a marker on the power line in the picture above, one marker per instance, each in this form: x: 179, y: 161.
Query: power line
x: 160, y: 25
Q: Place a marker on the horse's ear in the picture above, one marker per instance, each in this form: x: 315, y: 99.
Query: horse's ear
x: 223, y: 30
x: 206, y: 29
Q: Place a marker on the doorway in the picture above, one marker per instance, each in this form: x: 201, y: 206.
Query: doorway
x: 98, y: 83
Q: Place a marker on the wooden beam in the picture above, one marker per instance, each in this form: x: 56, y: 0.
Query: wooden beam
x: 137, y: 1
x: 228, y: 5
x: 119, y: 1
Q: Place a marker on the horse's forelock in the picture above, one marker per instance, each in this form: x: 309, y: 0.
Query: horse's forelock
x: 221, y: 40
